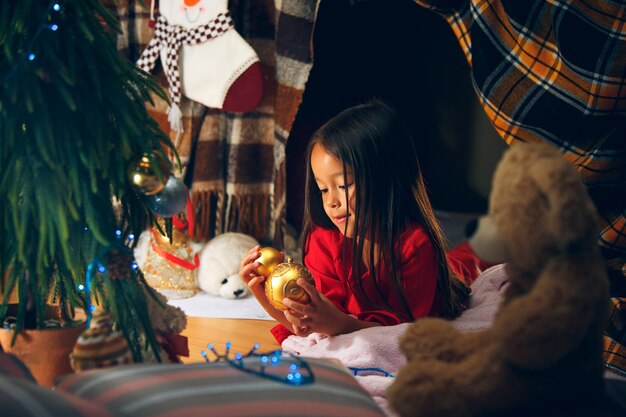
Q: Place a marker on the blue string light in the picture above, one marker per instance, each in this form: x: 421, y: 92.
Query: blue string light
x: 97, y: 265
x: 266, y: 365
x: 30, y: 56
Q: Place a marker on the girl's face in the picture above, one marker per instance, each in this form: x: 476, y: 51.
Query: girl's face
x: 328, y: 173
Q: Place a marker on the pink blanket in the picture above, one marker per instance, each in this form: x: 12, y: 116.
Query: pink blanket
x: 377, y: 347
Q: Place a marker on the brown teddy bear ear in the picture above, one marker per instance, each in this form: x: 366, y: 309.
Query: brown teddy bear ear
x: 539, y: 204
x: 571, y: 217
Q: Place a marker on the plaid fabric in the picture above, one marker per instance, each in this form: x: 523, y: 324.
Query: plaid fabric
x: 614, y: 354
x: 554, y: 72
x: 218, y: 389
x: 235, y: 162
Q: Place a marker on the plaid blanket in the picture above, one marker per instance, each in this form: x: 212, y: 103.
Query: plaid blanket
x: 235, y: 162
x: 554, y: 72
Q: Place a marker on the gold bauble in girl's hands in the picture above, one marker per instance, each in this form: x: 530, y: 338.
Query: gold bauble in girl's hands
x: 144, y: 175
x: 269, y: 259
x: 282, y: 283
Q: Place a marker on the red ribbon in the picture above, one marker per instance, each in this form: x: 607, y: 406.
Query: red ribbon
x: 175, y: 345
x: 175, y: 259
x: 179, y: 224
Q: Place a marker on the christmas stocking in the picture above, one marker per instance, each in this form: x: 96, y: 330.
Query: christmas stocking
x: 204, y: 58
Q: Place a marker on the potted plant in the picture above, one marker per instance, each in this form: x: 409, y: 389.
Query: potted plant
x: 73, y: 123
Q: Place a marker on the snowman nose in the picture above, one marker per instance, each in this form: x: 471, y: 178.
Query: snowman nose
x: 191, y: 3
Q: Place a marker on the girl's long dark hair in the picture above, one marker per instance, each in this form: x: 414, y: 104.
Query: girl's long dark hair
x: 372, y: 141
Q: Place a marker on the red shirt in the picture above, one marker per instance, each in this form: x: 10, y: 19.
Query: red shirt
x: 417, y: 268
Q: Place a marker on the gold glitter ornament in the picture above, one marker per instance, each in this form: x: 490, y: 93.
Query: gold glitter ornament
x: 282, y: 283
x: 144, y: 177
x: 180, y: 237
x: 268, y: 259
x: 171, y: 268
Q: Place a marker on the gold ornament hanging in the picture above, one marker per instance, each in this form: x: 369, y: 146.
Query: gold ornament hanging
x: 282, y: 283
x: 144, y: 177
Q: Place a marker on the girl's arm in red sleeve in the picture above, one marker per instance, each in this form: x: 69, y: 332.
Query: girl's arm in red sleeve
x: 320, y: 260
x: 465, y: 263
x: 418, y: 272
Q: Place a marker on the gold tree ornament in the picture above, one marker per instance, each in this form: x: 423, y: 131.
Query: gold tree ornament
x: 282, y: 283
x: 171, y: 266
x: 149, y: 174
x: 268, y: 259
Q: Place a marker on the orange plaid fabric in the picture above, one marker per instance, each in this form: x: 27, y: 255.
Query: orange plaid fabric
x: 555, y: 72
x: 614, y: 355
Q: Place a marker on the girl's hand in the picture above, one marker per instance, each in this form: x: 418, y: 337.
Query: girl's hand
x: 256, y: 284
x: 247, y: 269
x: 320, y: 315
x: 253, y: 280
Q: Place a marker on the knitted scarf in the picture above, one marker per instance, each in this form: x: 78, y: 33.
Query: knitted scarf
x: 173, y: 38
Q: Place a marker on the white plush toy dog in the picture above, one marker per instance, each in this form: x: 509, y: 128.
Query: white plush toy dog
x: 220, y: 258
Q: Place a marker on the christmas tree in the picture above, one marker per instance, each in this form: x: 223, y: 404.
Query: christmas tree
x: 73, y: 120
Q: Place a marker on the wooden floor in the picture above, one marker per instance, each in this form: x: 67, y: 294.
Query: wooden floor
x: 242, y: 333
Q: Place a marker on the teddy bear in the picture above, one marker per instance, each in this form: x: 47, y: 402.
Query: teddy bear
x: 168, y: 322
x: 542, y: 354
x: 220, y: 259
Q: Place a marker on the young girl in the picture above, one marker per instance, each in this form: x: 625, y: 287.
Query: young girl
x: 370, y: 237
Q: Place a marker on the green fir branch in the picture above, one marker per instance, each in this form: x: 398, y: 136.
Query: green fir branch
x: 73, y: 119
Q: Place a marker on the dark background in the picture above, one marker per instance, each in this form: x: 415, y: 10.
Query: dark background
x: 408, y: 56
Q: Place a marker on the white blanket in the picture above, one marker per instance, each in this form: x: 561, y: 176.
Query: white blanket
x: 377, y: 347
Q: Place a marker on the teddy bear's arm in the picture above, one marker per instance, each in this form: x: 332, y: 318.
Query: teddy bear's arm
x: 538, y: 329
x: 436, y: 338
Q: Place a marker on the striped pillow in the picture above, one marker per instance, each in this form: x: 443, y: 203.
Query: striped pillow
x: 12, y: 366
x: 218, y: 389
x: 22, y: 398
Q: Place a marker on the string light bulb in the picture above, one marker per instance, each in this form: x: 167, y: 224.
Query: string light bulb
x: 267, y: 365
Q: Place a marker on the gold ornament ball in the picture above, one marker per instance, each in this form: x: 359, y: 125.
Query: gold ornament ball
x: 269, y: 259
x: 282, y: 283
x: 144, y: 177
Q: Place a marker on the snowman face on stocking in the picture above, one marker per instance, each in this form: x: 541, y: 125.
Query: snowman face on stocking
x: 204, y: 57
x: 191, y: 13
